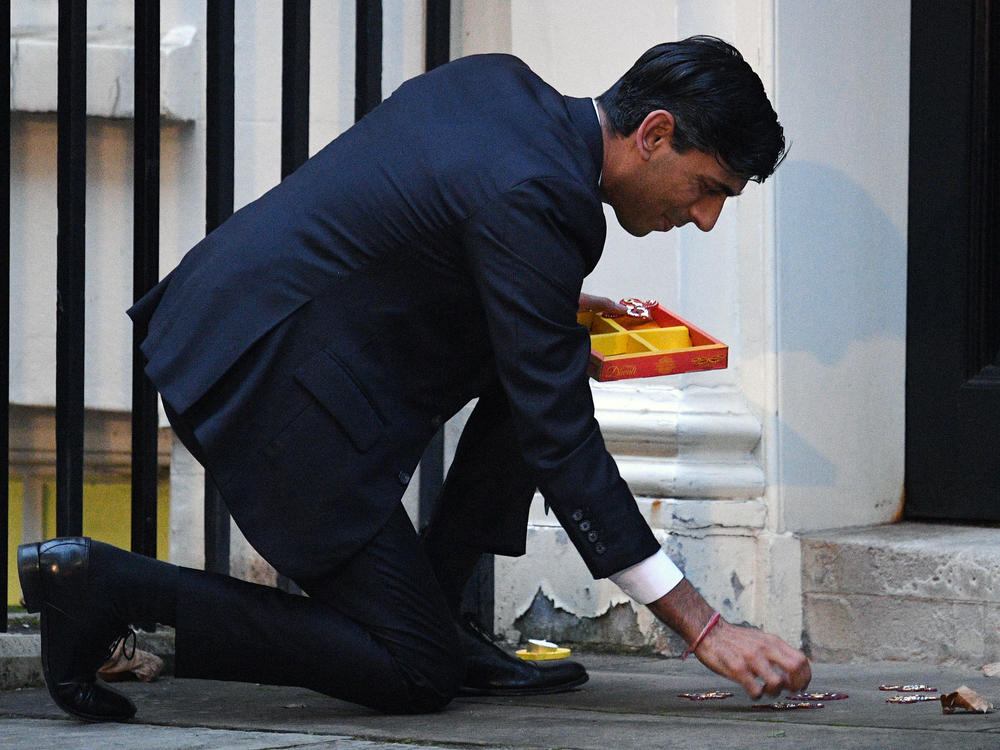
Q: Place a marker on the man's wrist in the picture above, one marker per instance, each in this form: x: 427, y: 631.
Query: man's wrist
x: 712, y: 622
x: 683, y: 610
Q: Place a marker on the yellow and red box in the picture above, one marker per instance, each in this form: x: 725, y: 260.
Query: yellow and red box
x: 626, y: 347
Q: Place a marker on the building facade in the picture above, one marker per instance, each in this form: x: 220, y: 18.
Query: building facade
x: 804, y: 277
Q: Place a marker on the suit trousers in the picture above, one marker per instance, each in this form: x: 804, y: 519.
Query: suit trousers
x: 376, y: 628
x: 375, y: 631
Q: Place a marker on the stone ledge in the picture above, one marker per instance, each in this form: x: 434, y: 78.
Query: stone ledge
x: 20, y: 660
x: 923, y: 561
x: 110, y: 72
x: 907, y: 591
x: 861, y: 628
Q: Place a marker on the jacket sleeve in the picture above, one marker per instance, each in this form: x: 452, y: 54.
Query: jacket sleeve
x: 529, y: 251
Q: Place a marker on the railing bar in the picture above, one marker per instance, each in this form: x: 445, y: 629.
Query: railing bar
x: 367, y: 56
x: 294, y: 85
x: 437, y: 43
x: 220, y: 112
x: 146, y: 269
x: 70, y: 263
x: 216, y: 529
x: 219, y: 201
x: 5, y: 297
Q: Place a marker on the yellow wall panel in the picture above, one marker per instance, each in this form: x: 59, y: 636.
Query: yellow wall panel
x: 15, y: 518
x: 107, y: 516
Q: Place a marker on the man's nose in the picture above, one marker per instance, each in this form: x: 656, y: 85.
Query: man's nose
x: 706, y: 212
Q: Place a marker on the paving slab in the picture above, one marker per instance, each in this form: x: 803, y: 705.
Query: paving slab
x: 59, y: 734
x: 630, y: 702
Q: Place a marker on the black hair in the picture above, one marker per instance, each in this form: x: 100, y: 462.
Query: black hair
x: 717, y: 101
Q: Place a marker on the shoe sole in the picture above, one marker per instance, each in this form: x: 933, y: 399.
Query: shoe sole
x: 29, y: 572
x: 515, y: 692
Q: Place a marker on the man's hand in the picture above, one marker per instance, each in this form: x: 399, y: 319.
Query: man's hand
x: 760, y: 662
x: 591, y: 303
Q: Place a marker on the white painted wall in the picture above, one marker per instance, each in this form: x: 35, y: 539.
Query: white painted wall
x: 840, y: 245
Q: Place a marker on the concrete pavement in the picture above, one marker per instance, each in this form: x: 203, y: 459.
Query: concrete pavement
x: 630, y: 702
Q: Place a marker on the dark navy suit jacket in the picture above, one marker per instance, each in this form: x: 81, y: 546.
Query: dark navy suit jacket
x: 319, y: 337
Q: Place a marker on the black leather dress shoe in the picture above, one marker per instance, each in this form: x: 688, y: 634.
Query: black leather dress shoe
x: 79, y: 627
x: 492, y: 671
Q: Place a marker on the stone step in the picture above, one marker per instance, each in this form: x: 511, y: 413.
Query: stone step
x: 907, y: 591
x: 21, y: 651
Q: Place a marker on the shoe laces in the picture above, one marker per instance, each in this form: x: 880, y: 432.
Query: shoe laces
x: 472, y: 624
x: 126, y: 640
x: 477, y: 631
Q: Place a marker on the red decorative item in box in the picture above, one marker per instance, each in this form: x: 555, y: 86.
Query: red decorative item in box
x: 663, y: 344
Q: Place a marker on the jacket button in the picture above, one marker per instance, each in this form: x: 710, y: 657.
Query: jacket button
x: 404, y: 477
x: 577, y: 515
x: 592, y: 536
x: 600, y: 548
x: 584, y: 525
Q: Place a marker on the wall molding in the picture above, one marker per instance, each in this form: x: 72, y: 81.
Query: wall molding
x: 110, y: 72
x: 695, y: 443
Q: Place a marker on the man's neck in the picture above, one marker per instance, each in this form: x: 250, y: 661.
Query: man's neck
x: 614, y: 148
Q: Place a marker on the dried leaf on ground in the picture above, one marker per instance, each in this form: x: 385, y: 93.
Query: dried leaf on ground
x: 965, y: 699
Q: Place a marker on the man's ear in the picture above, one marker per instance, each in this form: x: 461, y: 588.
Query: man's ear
x: 655, y: 131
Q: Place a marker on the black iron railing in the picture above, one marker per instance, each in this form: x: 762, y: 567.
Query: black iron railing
x: 5, y: 333
x: 367, y: 56
x: 71, y: 160
x: 146, y: 268
x: 71, y: 205
x: 220, y: 26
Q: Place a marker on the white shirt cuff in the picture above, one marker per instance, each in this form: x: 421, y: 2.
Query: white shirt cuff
x: 650, y: 579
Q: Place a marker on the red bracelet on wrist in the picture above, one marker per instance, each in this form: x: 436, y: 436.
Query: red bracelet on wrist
x: 701, y: 636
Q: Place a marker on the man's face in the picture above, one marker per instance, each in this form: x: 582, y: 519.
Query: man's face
x: 663, y: 189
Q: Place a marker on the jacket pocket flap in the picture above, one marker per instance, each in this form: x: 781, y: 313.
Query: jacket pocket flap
x: 332, y: 385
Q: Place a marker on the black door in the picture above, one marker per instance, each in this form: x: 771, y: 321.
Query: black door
x: 953, y: 308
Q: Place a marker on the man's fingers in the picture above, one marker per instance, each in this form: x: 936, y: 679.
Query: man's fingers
x: 753, y: 673
x: 593, y: 303
x: 759, y: 662
x: 799, y: 679
x: 752, y: 686
x: 773, y: 681
x: 793, y: 663
x: 741, y: 673
x: 782, y: 666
